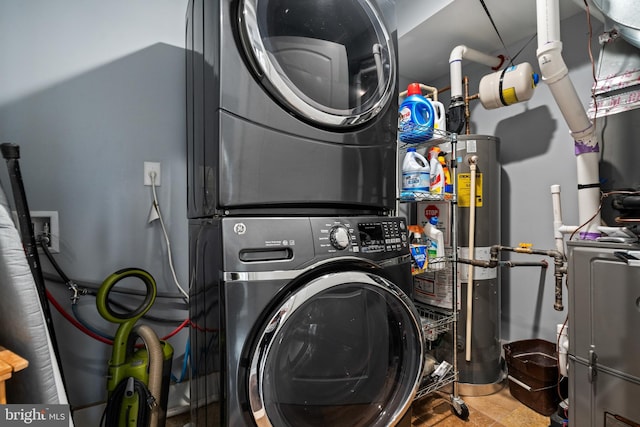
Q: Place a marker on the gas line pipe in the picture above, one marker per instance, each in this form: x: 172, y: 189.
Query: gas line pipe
x: 559, y: 261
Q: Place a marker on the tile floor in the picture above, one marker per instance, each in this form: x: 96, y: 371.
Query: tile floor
x: 497, y: 410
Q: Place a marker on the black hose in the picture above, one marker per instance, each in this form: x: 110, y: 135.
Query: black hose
x: 84, y: 291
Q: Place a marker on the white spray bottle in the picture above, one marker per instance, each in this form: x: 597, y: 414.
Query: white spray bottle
x: 436, y: 172
x: 435, y: 251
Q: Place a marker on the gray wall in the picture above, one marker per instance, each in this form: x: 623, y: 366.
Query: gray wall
x: 90, y: 90
x: 536, y: 151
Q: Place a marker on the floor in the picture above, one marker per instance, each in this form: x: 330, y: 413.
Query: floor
x: 497, y: 410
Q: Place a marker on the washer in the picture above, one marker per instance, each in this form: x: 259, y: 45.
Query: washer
x: 291, y: 104
x: 302, y: 321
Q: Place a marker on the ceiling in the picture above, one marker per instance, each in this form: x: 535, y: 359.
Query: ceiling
x: 429, y: 30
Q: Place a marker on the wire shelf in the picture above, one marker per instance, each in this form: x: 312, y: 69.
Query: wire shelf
x: 429, y: 387
x: 442, y: 263
x: 410, y: 135
x: 434, y: 322
x: 420, y: 196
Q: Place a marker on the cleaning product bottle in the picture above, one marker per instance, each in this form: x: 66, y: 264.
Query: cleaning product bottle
x: 435, y: 249
x: 448, y: 186
x: 436, y: 173
x: 416, y: 116
x: 415, y: 172
x: 418, y: 249
x: 439, y: 116
x: 433, y: 151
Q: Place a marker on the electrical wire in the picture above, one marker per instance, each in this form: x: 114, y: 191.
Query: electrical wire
x: 486, y: 9
x: 522, y: 48
x: 156, y: 206
x: 593, y: 65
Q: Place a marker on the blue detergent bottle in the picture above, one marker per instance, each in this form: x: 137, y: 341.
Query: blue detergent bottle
x: 416, y: 116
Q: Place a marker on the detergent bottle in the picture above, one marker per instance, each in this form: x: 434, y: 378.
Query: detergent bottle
x: 435, y: 248
x: 416, y: 116
x: 415, y: 172
x: 439, y: 116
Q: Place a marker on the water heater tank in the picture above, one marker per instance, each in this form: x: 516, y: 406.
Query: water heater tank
x: 508, y: 86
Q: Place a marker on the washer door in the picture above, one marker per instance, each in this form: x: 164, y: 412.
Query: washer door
x: 344, y: 349
x: 329, y: 62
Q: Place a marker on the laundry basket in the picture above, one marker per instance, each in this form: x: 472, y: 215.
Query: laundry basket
x: 533, y: 374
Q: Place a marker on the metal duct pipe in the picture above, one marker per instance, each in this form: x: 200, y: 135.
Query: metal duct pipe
x: 555, y: 73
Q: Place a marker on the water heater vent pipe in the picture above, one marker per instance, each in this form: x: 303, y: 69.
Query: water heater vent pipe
x: 555, y: 73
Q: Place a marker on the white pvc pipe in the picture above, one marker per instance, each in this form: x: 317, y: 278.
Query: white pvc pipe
x: 455, y: 65
x: 472, y: 234
x: 557, y: 218
x: 548, y: 21
x: 555, y: 73
x: 562, y: 344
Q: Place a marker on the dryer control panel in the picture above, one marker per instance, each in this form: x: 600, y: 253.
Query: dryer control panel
x: 360, y: 234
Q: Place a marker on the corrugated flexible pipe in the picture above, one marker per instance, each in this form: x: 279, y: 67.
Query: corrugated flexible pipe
x: 156, y: 362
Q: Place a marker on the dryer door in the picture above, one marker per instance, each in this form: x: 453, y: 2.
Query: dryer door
x: 344, y: 349
x: 331, y: 62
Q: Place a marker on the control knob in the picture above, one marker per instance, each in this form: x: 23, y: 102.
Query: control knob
x: 339, y: 237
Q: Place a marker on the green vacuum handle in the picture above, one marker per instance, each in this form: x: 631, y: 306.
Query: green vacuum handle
x: 126, y: 320
x: 102, y: 298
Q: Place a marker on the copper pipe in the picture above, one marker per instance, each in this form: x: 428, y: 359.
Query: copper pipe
x: 467, y: 112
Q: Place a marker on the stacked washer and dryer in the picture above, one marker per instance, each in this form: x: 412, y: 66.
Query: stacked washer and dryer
x: 300, y: 294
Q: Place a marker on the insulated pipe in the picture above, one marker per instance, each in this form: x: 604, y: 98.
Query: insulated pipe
x: 156, y: 363
x: 555, y: 73
x: 456, y: 108
x: 472, y: 232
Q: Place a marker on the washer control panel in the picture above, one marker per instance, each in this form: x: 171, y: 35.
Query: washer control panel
x: 360, y: 234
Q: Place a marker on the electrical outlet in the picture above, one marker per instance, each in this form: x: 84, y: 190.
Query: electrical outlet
x: 149, y: 168
x: 45, y: 223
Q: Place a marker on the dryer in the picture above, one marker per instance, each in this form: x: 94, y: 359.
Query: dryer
x: 302, y: 321
x: 291, y: 106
